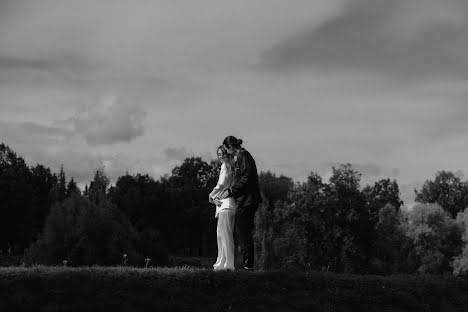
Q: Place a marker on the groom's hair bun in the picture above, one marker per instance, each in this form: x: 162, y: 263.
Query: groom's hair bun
x: 232, y: 141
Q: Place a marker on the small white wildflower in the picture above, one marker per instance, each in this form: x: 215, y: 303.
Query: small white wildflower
x: 147, y: 260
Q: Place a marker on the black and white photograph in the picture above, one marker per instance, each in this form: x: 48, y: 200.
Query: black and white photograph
x: 220, y: 155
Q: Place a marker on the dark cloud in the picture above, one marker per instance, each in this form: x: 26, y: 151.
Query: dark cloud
x: 409, y: 38
x: 29, y: 132
x: 64, y: 72
x: 23, y: 63
x: 156, y: 34
x: 32, y: 128
x: 73, y: 72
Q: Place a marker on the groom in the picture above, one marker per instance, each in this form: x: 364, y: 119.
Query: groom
x: 246, y: 190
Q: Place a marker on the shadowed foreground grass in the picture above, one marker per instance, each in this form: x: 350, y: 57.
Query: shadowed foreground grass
x: 44, y: 288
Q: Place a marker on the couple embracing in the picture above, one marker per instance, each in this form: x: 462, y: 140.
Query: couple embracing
x: 237, y: 197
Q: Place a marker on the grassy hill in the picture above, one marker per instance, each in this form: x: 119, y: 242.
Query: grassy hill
x: 188, y: 289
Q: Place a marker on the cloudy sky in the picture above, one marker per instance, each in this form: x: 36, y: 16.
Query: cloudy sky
x: 139, y: 85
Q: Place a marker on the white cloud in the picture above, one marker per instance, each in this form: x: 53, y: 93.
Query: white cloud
x: 109, y: 121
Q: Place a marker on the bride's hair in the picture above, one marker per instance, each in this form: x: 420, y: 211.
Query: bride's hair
x: 229, y: 160
x: 232, y: 141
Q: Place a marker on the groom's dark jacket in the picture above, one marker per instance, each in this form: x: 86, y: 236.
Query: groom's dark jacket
x: 245, y: 188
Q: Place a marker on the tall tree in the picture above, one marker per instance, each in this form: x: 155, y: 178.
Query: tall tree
x: 390, y: 254
x: 16, y: 198
x: 142, y: 200
x: 59, y: 192
x: 275, y: 188
x: 383, y: 192
x: 97, y: 191
x: 191, y: 182
x: 43, y: 182
x: 437, y: 238
x: 194, y: 173
x: 447, y: 190
x: 351, y: 218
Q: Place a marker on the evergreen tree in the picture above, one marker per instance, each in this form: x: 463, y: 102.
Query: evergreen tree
x: 72, y: 188
x: 59, y: 192
x: 97, y: 191
x: 17, y: 198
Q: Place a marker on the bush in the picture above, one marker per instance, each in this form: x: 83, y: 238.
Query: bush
x: 279, y: 238
x: 460, y: 263
x: 263, y: 237
x: 84, y: 233
x: 390, y: 252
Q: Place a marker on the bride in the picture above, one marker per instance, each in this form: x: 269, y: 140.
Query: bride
x: 225, y: 213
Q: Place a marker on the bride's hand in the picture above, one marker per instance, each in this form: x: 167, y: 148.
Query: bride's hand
x: 224, y: 194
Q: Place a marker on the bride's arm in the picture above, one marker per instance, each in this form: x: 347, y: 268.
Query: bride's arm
x: 221, y: 185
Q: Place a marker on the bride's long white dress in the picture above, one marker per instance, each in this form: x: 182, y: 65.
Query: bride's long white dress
x: 226, y: 217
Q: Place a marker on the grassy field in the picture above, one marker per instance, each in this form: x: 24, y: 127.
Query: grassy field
x: 44, y: 288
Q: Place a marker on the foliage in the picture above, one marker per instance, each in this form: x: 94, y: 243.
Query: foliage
x: 437, y: 238
x: 23, y: 199
x: 321, y: 225
x: 392, y: 248
x: 278, y: 238
x: 383, y: 192
x: 332, y: 225
x: 84, y: 233
x: 195, y: 173
x: 97, y: 191
x: 274, y: 188
x: 447, y: 190
x: 460, y: 263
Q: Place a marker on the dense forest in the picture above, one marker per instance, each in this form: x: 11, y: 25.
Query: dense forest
x: 336, y: 225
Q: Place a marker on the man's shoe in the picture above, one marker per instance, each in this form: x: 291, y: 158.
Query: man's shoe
x: 248, y: 268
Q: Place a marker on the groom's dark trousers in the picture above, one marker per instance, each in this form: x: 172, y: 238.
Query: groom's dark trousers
x: 246, y: 190
x: 244, y: 225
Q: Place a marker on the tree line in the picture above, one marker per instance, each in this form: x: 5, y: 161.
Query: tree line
x: 333, y: 225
